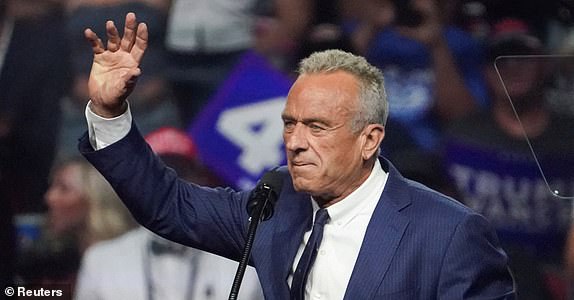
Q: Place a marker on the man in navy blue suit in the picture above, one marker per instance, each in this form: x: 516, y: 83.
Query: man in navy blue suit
x: 383, y: 236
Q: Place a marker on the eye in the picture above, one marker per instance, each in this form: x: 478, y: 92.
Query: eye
x: 316, y: 128
x: 288, y: 125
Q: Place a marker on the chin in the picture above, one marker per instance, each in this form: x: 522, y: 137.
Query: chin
x: 302, y: 186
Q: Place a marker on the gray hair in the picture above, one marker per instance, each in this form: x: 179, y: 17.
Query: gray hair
x: 374, y: 107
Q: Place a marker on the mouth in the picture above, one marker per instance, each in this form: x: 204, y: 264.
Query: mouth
x: 301, y: 167
x: 299, y: 164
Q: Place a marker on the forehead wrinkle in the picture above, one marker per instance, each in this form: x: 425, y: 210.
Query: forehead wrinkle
x: 309, y: 120
x: 322, y: 102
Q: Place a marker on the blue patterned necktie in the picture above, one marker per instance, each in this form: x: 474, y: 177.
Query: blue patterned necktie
x: 308, y: 256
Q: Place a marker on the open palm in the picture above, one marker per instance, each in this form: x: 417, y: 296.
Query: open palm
x: 115, y: 68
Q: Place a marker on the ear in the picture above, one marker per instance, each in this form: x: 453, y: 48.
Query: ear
x: 373, y: 136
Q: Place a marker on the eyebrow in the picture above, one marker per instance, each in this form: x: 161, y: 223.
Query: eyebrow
x: 286, y: 117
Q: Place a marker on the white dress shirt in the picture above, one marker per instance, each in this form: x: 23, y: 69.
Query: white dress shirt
x: 342, y: 239
x: 103, y: 132
x: 342, y: 236
x: 127, y: 268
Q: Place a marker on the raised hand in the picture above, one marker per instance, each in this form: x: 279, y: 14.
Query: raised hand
x: 116, y: 67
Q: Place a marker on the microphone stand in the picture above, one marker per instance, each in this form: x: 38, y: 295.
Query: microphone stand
x: 261, y: 211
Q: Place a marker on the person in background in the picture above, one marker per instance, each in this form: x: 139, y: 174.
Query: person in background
x: 287, y: 31
x: 204, y: 40
x: 375, y: 234
x: 82, y: 209
x: 561, y: 85
x: 152, y: 267
x: 495, y: 172
x: 154, y: 106
x: 432, y: 69
x: 31, y: 85
x: 561, y: 102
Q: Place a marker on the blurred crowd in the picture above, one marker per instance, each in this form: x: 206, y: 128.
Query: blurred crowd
x: 481, y: 108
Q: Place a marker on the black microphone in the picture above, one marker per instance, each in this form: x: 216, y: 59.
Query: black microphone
x: 263, y: 197
x: 260, y: 208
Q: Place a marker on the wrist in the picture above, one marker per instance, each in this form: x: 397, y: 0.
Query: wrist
x: 108, y: 112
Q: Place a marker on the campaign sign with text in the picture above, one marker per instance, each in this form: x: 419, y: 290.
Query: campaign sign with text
x: 506, y: 187
x: 239, y: 133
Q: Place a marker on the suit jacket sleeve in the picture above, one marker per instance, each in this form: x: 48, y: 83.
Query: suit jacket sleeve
x: 473, y: 266
x: 210, y: 219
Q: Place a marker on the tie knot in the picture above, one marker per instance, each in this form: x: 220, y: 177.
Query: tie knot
x: 321, y: 217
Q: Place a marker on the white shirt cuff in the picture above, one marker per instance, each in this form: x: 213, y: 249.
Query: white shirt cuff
x: 103, y: 132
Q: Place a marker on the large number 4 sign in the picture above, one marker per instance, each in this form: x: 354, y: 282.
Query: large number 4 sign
x: 256, y: 129
x: 239, y: 134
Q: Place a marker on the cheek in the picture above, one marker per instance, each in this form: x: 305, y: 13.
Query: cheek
x: 72, y: 204
x: 337, y: 154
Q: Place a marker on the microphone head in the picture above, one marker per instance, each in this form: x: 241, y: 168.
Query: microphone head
x: 273, y: 179
x: 263, y: 197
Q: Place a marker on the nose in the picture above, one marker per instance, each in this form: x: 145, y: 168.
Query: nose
x: 296, y: 138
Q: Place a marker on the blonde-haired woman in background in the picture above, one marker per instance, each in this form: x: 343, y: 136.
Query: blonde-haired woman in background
x: 153, y: 267
x: 107, y: 216
x: 82, y: 210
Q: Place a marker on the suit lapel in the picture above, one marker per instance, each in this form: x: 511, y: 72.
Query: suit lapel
x: 290, y: 225
x: 382, y: 238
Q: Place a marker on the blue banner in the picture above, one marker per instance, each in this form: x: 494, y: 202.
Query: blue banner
x: 508, y: 189
x: 239, y: 133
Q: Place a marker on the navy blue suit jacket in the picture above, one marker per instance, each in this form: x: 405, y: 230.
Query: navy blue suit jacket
x: 419, y: 244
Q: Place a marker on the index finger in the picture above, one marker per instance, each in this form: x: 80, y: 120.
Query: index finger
x: 95, y: 41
